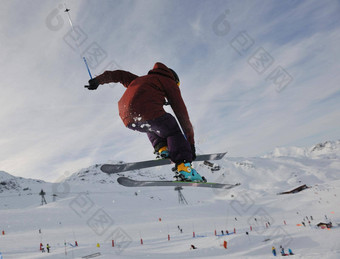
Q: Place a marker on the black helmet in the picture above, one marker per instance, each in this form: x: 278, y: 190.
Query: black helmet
x: 175, y: 76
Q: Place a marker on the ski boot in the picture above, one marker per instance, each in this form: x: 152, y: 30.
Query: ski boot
x: 186, y: 173
x: 162, y: 153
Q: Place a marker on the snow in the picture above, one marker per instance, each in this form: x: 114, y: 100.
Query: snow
x: 327, y: 149
x: 92, y: 208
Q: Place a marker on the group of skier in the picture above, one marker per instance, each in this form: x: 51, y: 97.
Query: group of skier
x: 43, y: 249
x: 282, y: 251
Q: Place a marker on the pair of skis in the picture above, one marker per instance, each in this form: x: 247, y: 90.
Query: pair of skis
x: 123, y: 167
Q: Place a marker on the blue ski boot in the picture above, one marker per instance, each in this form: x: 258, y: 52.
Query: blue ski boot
x: 186, y: 173
x: 162, y: 153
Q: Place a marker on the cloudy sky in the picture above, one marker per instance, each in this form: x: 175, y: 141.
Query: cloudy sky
x: 255, y: 75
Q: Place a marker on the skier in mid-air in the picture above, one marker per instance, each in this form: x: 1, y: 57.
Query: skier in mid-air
x: 141, y: 109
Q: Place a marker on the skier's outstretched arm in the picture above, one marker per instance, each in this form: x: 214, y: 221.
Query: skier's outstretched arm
x: 116, y: 76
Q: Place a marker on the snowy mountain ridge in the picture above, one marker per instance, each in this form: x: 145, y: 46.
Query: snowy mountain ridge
x: 93, y: 174
x: 10, y: 183
x: 291, y: 166
x: 328, y: 149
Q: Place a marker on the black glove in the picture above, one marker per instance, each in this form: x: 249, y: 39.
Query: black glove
x: 93, y: 84
x: 193, y: 151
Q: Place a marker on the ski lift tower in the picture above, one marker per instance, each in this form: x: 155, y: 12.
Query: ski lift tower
x: 42, y: 194
x: 181, y: 198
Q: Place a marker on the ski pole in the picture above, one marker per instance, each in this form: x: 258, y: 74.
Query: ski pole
x: 88, y: 69
x: 67, y: 11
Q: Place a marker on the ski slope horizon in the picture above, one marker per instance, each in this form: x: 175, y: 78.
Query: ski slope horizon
x: 92, y: 209
x: 236, y: 101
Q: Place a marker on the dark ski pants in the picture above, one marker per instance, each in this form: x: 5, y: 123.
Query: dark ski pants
x: 164, y: 131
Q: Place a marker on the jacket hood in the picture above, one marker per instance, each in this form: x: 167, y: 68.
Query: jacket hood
x: 161, y: 69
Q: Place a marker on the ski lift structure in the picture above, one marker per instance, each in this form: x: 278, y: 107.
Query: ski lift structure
x: 181, y: 198
x: 42, y: 194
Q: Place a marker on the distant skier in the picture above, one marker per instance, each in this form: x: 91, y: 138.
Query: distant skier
x: 283, y: 251
x: 180, y: 230
x: 48, y: 248
x: 274, y: 251
x: 141, y: 109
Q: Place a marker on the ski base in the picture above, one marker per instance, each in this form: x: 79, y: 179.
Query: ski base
x: 127, y: 182
x: 118, y: 168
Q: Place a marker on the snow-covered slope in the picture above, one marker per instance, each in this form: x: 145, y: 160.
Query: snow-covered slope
x: 90, y: 208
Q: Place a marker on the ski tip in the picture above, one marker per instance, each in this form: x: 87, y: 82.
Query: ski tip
x: 105, y: 168
x: 121, y: 179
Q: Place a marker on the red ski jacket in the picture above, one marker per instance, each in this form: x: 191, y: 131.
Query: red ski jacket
x: 145, y: 96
